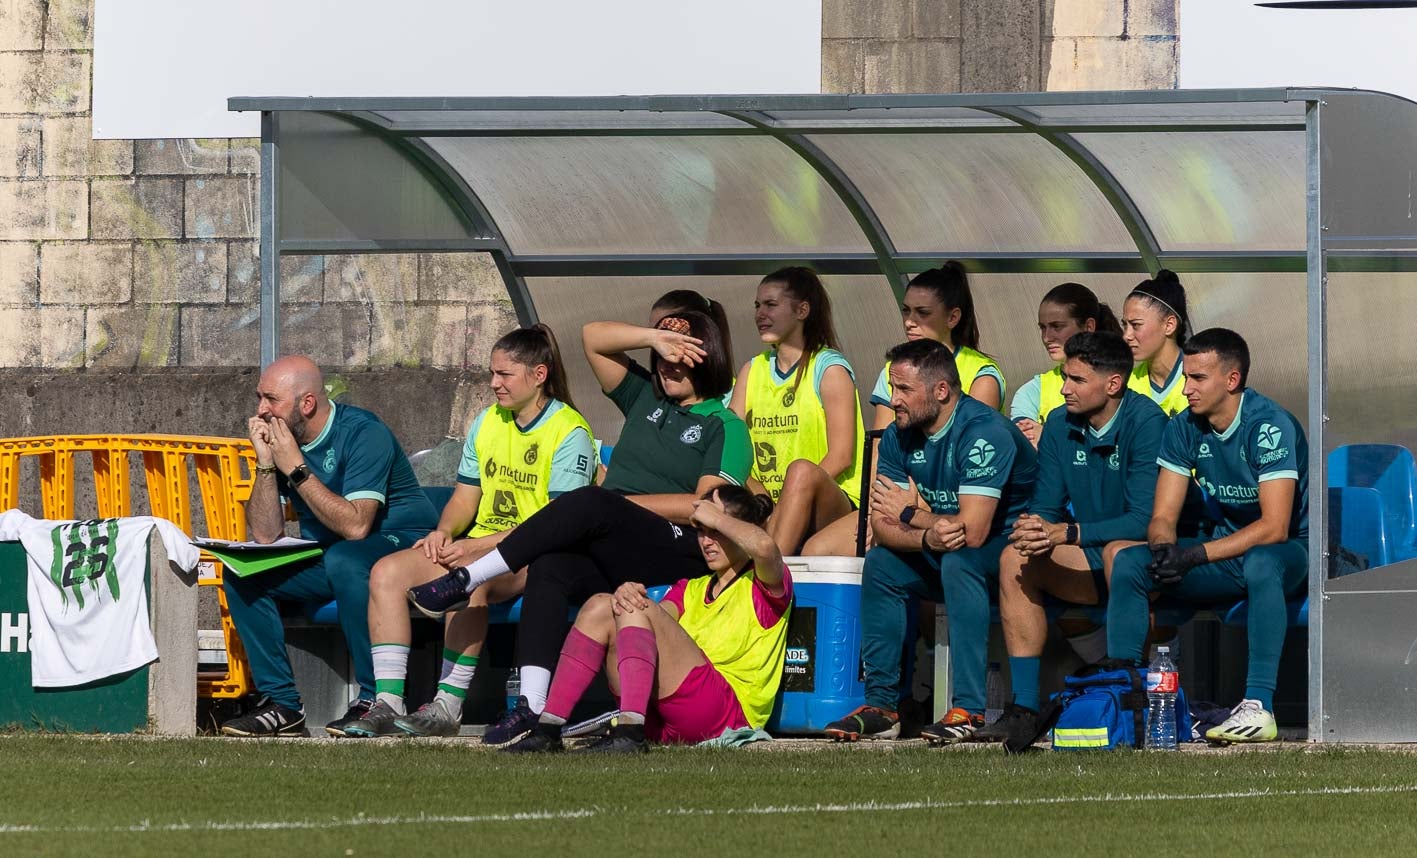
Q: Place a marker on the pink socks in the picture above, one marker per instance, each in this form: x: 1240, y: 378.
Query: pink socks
x: 581, y: 659
x: 638, y: 656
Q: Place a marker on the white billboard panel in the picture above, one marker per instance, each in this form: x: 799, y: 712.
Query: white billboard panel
x: 164, y: 68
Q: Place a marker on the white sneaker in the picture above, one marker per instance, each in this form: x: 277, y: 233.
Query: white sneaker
x: 1248, y: 722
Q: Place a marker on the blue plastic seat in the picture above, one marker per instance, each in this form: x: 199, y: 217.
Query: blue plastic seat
x: 1358, y: 521
x: 1388, y: 469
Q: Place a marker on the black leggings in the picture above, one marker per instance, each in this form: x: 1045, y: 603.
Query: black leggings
x: 585, y: 542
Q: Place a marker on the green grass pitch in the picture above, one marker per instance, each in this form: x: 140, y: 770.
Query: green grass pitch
x: 131, y: 796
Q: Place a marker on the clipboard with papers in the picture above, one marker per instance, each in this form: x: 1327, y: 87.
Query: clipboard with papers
x: 251, y: 558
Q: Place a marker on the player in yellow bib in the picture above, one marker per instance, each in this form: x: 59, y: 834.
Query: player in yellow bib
x: 520, y: 453
x: 705, y: 660
x: 1154, y: 324
x: 800, y: 403
x: 1067, y: 309
x: 938, y: 305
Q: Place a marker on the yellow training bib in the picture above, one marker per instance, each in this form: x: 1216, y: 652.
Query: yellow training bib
x: 1050, y: 391
x: 1172, y: 398
x: 516, y: 465
x: 745, y: 654
x: 786, y: 422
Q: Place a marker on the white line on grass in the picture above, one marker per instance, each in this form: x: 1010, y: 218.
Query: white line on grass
x: 362, y: 820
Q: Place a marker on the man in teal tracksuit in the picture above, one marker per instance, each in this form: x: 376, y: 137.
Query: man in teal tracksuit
x: 1252, y: 458
x: 953, y: 474
x: 1098, y: 454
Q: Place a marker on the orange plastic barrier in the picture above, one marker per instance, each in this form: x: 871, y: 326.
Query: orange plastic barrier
x: 222, y: 481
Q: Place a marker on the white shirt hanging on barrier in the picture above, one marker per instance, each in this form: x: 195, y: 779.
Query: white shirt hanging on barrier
x: 88, y: 603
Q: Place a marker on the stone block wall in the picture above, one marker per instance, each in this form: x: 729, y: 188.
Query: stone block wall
x: 999, y: 45
x: 140, y: 257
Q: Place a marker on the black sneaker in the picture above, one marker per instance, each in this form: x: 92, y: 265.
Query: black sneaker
x: 356, y: 711
x: 866, y: 722
x: 622, y: 739
x: 437, y: 597
x: 1017, y: 729
x: 268, y: 719
x: 512, y: 725
x: 543, y: 739
x: 957, y: 726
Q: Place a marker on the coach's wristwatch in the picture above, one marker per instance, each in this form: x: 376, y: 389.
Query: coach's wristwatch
x: 299, y: 474
x: 907, y: 514
x: 1070, y: 536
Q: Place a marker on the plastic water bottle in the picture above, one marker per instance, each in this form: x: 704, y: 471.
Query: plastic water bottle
x: 1162, y: 680
x: 514, y: 689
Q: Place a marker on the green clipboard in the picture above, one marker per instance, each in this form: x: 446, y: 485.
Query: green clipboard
x: 246, y: 560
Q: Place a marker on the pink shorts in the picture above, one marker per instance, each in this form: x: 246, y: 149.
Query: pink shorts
x: 702, y: 707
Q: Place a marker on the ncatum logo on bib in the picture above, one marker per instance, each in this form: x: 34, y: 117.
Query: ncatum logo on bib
x: 1269, y: 438
x: 491, y: 470
x: 330, y: 462
x: 692, y: 434
x: 530, y: 457
x: 980, y: 454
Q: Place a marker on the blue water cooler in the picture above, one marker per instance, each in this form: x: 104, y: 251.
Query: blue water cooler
x: 821, y: 678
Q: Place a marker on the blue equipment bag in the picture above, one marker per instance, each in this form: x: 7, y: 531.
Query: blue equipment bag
x: 1104, y: 706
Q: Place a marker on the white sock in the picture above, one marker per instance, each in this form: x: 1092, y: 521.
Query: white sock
x: 536, y: 684
x: 485, y: 568
x: 1091, y: 646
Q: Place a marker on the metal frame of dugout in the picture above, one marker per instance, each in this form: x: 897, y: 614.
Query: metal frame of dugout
x: 870, y: 188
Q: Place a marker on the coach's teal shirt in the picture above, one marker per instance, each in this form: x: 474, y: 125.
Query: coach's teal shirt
x: 977, y: 452
x: 1107, y: 474
x: 356, y: 456
x: 1264, y: 443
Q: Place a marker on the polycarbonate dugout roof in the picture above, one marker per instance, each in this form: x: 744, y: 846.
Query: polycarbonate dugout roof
x: 1199, y: 180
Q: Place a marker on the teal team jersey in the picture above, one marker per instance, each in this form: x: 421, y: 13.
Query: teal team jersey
x: 357, y: 457
x: 1108, y: 475
x: 1263, y: 443
x: 978, y: 452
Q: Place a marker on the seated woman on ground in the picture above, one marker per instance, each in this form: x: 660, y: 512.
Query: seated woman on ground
x: 531, y: 447
x: 799, y: 400
x: 1067, y: 309
x: 938, y: 305
x: 678, y: 442
x: 706, y: 659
